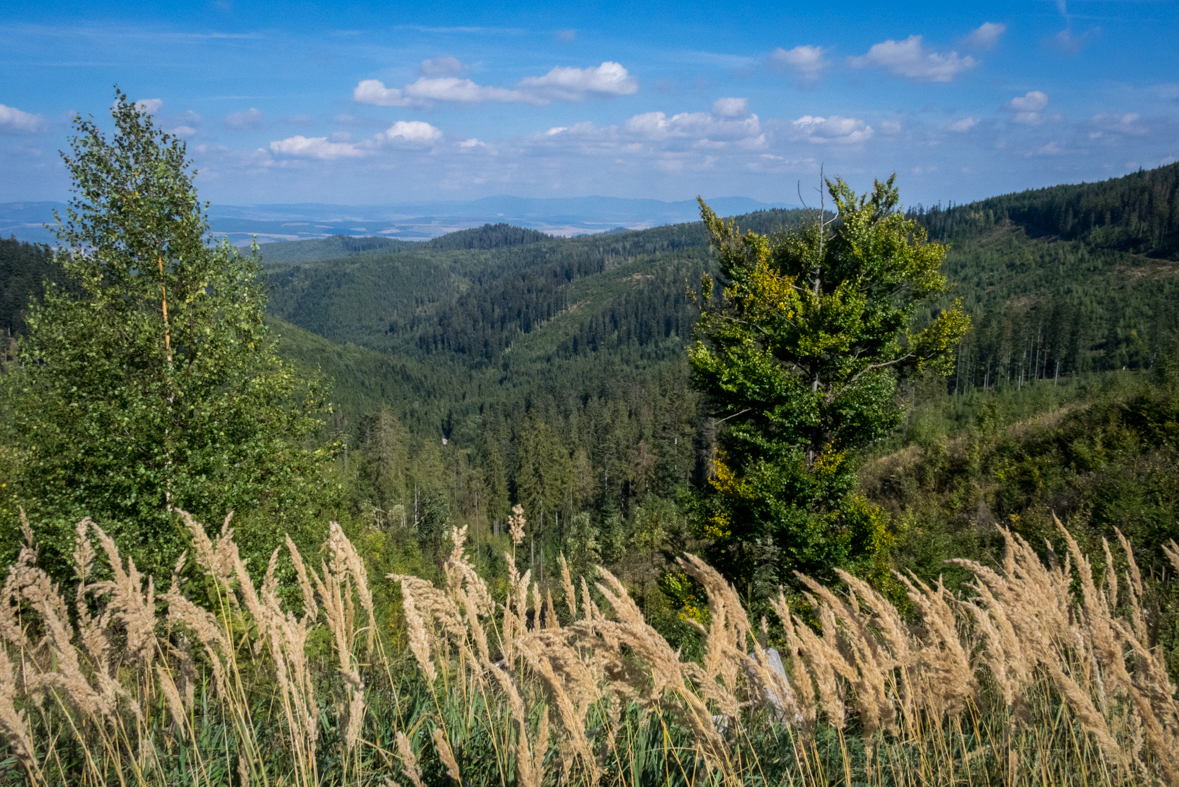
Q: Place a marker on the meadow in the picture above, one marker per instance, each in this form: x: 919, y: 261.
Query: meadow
x: 1041, y: 673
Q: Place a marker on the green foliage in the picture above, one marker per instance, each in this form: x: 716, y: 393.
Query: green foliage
x: 1048, y: 309
x: 583, y: 545
x: 544, y: 477
x: 150, y: 383
x: 1100, y: 453
x: 800, y: 355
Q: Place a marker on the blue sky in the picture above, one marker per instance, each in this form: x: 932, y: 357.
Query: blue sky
x: 365, y: 103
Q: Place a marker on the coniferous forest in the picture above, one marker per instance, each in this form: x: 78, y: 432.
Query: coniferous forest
x: 876, y: 495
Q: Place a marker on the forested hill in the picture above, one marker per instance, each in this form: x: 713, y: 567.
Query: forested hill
x: 445, y: 298
x: 1138, y: 213
x: 1059, y: 282
x: 24, y: 269
x: 335, y: 247
x: 1065, y: 280
x: 489, y: 236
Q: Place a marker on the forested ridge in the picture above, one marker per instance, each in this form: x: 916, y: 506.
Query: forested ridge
x: 556, y: 370
x: 586, y: 336
x: 1051, y: 292
x: 489, y: 236
x: 1137, y: 213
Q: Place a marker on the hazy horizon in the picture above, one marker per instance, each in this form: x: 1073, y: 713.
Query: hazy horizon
x: 563, y: 216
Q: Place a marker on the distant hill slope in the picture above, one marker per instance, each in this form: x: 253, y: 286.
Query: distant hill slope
x: 24, y: 269
x: 1137, y: 213
x: 489, y: 236
x: 1067, y: 279
x: 362, y: 380
x: 472, y: 302
x: 335, y: 247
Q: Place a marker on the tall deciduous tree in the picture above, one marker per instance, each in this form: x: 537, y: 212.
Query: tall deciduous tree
x: 800, y: 356
x: 151, y: 384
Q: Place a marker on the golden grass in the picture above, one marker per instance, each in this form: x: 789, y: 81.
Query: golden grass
x: 1043, y: 675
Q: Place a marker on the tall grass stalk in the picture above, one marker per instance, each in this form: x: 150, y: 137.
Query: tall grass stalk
x: 1042, y: 675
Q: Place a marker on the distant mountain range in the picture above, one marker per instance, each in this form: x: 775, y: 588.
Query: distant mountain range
x: 564, y: 216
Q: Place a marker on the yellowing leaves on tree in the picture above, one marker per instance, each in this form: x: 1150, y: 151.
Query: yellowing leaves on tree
x: 800, y: 359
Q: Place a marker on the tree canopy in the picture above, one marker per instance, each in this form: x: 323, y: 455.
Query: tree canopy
x: 151, y: 384
x: 799, y: 356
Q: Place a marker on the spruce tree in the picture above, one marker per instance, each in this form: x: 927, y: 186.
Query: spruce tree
x: 799, y: 357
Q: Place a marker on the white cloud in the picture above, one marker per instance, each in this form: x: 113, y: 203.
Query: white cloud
x: 730, y: 107
x: 910, y: 59
x: 700, y: 126
x: 373, y: 91
x: 806, y: 60
x: 409, y: 132
x: 182, y: 131
x: 1070, y: 43
x: 986, y: 36
x: 832, y: 130
x: 244, y: 121
x: 150, y: 105
x: 14, y: 121
x: 315, y: 147
x: 1117, y: 121
x: 573, y: 84
x: 657, y: 135
x: 963, y: 125
x: 1114, y: 125
x: 468, y: 144
x: 1028, y: 108
x: 560, y: 84
x: 445, y: 66
x: 426, y: 90
x: 1033, y: 101
x: 1167, y: 92
x: 890, y: 126
x: 412, y: 134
